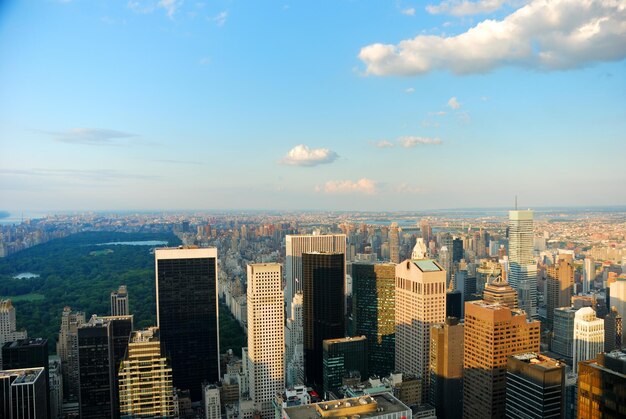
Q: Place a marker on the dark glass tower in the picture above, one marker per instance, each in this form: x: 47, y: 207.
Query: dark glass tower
x: 102, y: 343
x: 457, y: 250
x: 342, y: 356
x: 323, y: 308
x: 187, y: 315
x: 373, y: 293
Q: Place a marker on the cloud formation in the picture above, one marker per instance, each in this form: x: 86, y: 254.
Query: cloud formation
x: 454, y: 103
x: 170, y: 6
x: 220, y: 18
x: 91, y: 136
x: 409, y: 11
x: 383, y: 144
x: 465, y: 7
x: 544, y: 34
x: 406, y: 142
x: 361, y: 186
x: 302, y: 155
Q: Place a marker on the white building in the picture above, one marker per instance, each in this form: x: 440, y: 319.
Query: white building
x: 294, y: 341
x: 211, y: 401
x: 588, y: 336
x: 522, y: 273
x: 295, y: 246
x: 266, y: 344
x: 420, y: 303
x: 618, y: 299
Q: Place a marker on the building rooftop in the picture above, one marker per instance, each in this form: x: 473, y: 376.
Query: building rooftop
x: 26, y: 342
x: 427, y: 265
x: 23, y: 376
x: 539, y: 360
x: 346, y: 339
x: 363, y: 406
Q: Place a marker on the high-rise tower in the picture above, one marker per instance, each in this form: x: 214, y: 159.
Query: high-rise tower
x: 522, y: 266
x: 294, y: 341
x: 394, y: 243
x: 119, y: 301
x: 618, y: 299
x: 560, y: 282
x: 324, y: 302
x: 446, y: 368
x: 7, y: 325
x: 187, y: 315
x: 588, y: 335
x: 67, y: 349
x: 266, y: 345
x: 589, y: 274
x: 420, y: 303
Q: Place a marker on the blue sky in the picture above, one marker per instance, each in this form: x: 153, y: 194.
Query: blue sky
x: 353, y: 105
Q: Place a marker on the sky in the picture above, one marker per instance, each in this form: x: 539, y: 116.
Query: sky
x: 318, y: 105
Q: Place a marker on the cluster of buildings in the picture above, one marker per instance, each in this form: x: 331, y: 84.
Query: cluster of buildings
x: 373, y: 322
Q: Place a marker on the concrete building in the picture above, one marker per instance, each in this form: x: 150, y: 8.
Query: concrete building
x: 55, y: 380
x: 295, y: 246
x: 119, y: 302
x: 420, y: 303
x: 187, y: 315
x: 380, y: 406
x: 492, y: 333
x: 522, y: 273
x: 618, y: 299
x: 145, y: 363
x: 23, y: 394
x: 588, y: 336
x: 8, y: 332
x: 446, y: 368
x: 266, y: 345
x: 563, y: 332
x: 211, y: 402
x: 342, y: 356
x: 67, y: 350
x: 500, y: 292
x: 602, y: 386
x: 535, y: 387
x: 294, y: 344
x: 323, y: 309
x: 589, y: 274
x: 612, y: 331
x: 394, y: 243
x: 560, y: 281
x: 373, y: 315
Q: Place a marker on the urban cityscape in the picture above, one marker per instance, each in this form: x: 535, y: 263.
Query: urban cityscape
x: 337, y: 209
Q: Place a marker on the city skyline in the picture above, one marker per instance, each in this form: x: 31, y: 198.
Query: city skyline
x: 225, y: 105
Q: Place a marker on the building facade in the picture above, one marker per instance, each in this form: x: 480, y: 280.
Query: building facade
x: 563, y: 332
x: 499, y: 291
x: 23, y: 394
x: 8, y: 332
x: 294, y: 344
x: 266, y: 345
x: 560, y: 281
x: 446, y: 368
x: 67, y: 349
x: 342, y: 356
x: 602, y: 386
x: 187, y: 315
x: 119, y: 302
x: 588, y: 336
x: 618, y: 299
x: 522, y: 273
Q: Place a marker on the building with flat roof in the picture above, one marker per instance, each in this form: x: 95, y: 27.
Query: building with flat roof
x: 446, y: 368
x: 342, y: 356
x: 8, y: 332
x: 119, y: 301
x: 23, y: 394
x: 522, y: 273
x: 560, y: 281
x: 602, y: 386
x: 365, y: 407
x: 588, y: 336
x: 563, y: 332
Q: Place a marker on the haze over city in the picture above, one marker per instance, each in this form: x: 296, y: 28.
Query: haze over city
x: 340, y: 105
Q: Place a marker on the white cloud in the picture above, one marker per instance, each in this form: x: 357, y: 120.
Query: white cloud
x: 544, y: 34
x: 170, y: 6
x: 411, y: 141
x: 465, y: 7
x: 405, y: 188
x: 383, y: 144
x: 439, y: 113
x: 454, y: 103
x: 302, y: 155
x: 220, y: 18
x: 409, y: 12
x: 363, y: 185
x: 410, y: 90
x: 91, y: 136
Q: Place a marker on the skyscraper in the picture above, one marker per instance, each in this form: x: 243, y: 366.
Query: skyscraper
x: 618, y: 299
x: 420, y: 303
x: 145, y: 378
x: 119, y: 301
x: 499, y: 291
x: 446, y: 368
x: 295, y: 246
x: 187, y: 315
x: 323, y: 308
x: 102, y: 343
x: 535, y: 387
x: 23, y: 394
x: 8, y: 332
x: 266, y: 345
x: 612, y: 331
x: 560, y: 281
x: 522, y: 266
x: 342, y: 356
x: 563, y: 332
x: 602, y: 386
x: 294, y: 344
x: 588, y: 335
x: 67, y: 349
x: 426, y: 230
x: 394, y: 243
x: 589, y: 274
x: 373, y: 301
x: 492, y: 333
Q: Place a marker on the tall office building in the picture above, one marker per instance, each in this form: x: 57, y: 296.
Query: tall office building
x: 373, y: 302
x: 589, y: 274
x: 588, y: 335
x: 612, y: 331
x: 618, y: 299
x: 492, y: 333
x: 343, y: 356
x: 323, y: 309
x: 445, y: 260
x: 563, y: 332
x: 67, y: 349
x: 266, y: 345
x: 499, y: 291
x: 145, y: 378
x: 560, y: 281
x: 119, y: 302
x: 187, y: 315
x: 394, y: 243
x: 457, y: 249
x: 102, y: 343
x: 295, y: 246
x: 535, y: 386
x: 446, y: 368
x: 420, y: 303
x: 426, y: 230
x: 294, y: 344
x: 211, y: 402
x: 522, y: 266
x: 8, y: 332
x: 602, y: 386
x: 23, y: 394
